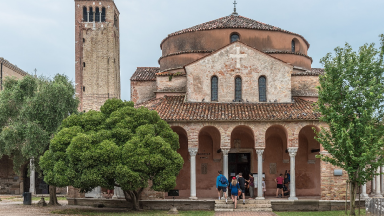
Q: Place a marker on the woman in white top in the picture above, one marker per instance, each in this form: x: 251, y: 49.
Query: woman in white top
x: 263, y: 185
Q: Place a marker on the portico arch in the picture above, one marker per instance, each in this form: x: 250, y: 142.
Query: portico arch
x: 308, y: 172
x: 183, y: 179
x: 276, y: 157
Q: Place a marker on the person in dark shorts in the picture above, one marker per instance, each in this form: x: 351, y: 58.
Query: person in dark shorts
x: 221, y: 184
x: 279, y: 181
x: 242, y: 186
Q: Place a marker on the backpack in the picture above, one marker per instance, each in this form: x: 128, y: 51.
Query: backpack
x: 223, y: 180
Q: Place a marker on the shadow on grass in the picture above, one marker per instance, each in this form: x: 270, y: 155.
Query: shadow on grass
x: 122, y: 212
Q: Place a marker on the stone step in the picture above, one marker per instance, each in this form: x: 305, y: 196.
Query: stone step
x: 249, y: 201
x: 244, y: 210
x: 240, y: 205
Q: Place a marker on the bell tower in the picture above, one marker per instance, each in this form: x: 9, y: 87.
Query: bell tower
x: 97, y: 38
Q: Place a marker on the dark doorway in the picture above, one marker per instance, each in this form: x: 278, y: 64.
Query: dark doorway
x: 40, y: 186
x: 239, y: 163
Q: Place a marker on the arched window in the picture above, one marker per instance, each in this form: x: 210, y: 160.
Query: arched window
x: 214, y: 88
x: 262, y: 89
x: 103, y: 14
x: 293, y: 46
x: 90, y: 14
x: 235, y: 37
x: 85, y: 14
x: 238, y: 89
x: 97, y: 15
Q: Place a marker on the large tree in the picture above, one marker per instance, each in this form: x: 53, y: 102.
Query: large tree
x: 118, y: 146
x: 31, y: 111
x: 351, y: 98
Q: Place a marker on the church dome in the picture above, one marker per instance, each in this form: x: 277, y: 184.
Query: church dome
x: 187, y: 45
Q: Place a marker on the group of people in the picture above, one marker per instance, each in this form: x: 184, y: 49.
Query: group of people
x: 238, y: 185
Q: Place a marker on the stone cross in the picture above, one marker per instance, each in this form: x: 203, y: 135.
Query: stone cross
x: 238, y: 56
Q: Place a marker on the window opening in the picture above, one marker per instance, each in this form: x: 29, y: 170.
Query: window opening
x: 85, y: 14
x: 235, y: 37
x: 97, y: 15
x: 214, y: 89
x: 262, y: 89
x: 83, y: 40
x: 103, y: 14
x: 90, y: 14
x: 83, y: 64
x: 83, y: 88
x: 293, y: 45
x: 238, y: 89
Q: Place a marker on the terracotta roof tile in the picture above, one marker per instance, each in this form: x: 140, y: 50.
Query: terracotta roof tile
x: 232, y: 21
x: 13, y: 67
x: 312, y: 72
x: 145, y: 74
x: 174, y: 108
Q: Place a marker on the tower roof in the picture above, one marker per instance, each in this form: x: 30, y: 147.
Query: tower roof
x: 235, y: 22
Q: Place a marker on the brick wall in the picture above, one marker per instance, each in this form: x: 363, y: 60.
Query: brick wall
x: 10, y: 182
x: 332, y: 187
x: 142, y: 91
x: 305, y: 85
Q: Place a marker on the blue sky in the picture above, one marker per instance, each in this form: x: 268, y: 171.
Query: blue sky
x: 40, y: 33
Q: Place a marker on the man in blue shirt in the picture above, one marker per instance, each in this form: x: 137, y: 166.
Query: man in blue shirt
x: 221, y: 184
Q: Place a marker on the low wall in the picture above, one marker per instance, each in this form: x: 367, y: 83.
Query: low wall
x: 311, y: 205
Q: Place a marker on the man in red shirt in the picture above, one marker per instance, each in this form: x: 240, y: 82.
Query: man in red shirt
x: 279, y: 180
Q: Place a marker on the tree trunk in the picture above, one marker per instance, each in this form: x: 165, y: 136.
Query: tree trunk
x: 352, y: 203
x: 52, y: 196
x: 134, y: 198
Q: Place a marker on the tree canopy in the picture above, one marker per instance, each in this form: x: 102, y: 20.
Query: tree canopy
x: 351, y: 98
x: 117, y: 146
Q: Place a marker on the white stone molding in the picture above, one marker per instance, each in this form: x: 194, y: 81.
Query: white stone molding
x: 260, y: 153
x: 225, y: 161
x: 292, y: 154
x: 193, y: 153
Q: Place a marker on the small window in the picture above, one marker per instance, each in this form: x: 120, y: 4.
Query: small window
x: 238, y: 85
x: 83, y: 40
x: 83, y: 88
x: 85, y: 14
x: 91, y: 14
x: 235, y: 37
x: 83, y: 64
x: 293, y: 46
x: 97, y: 15
x: 214, y: 88
x: 262, y: 89
x: 103, y: 14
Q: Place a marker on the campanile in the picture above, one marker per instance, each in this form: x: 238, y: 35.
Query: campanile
x: 97, y: 38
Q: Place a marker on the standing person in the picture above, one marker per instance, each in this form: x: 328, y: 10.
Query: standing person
x: 221, y: 185
x: 242, y: 186
x: 279, y: 180
x: 263, y: 186
x: 234, y: 187
x: 251, y: 185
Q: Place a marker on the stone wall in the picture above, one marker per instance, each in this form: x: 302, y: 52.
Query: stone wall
x: 142, y: 91
x: 332, y: 187
x: 174, y: 84
x: 97, y: 55
x: 252, y: 65
x: 10, y: 182
x: 305, y: 85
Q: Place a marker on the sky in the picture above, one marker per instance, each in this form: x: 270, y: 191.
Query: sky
x: 41, y: 33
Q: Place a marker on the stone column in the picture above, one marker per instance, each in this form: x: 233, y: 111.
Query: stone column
x: 114, y: 193
x: 259, y: 173
x: 193, y: 152
x: 382, y: 180
x: 292, y: 154
x: 225, y: 162
x: 373, y: 186
x: 364, y: 194
x: 88, y: 16
x: 377, y: 184
x: 100, y: 16
x: 32, y: 187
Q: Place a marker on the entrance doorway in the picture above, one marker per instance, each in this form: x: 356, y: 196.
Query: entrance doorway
x: 239, y: 163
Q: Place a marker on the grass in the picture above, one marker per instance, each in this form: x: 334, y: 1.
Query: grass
x: 319, y: 213
x: 97, y: 212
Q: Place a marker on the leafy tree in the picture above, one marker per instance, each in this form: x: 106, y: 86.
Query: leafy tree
x: 31, y: 111
x: 119, y: 146
x: 351, y: 99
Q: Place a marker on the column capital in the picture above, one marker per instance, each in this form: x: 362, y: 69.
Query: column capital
x: 225, y: 151
x: 193, y: 151
x: 292, y: 151
x: 259, y: 152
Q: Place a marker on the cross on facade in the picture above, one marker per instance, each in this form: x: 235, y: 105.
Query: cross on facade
x: 35, y: 71
x: 234, y: 9
x: 238, y: 56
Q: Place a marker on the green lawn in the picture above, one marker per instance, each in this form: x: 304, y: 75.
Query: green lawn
x: 323, y: 213
x: 97, y: 212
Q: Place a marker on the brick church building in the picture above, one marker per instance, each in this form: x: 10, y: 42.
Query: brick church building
x: 240, y: 95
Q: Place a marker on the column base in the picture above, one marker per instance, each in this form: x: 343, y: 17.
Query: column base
x: 114, y: 197
x: 378, y: 196
x: 364, y: 196
x: 293, y: 198
x: 260, y: 198
x: 193, y: 198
